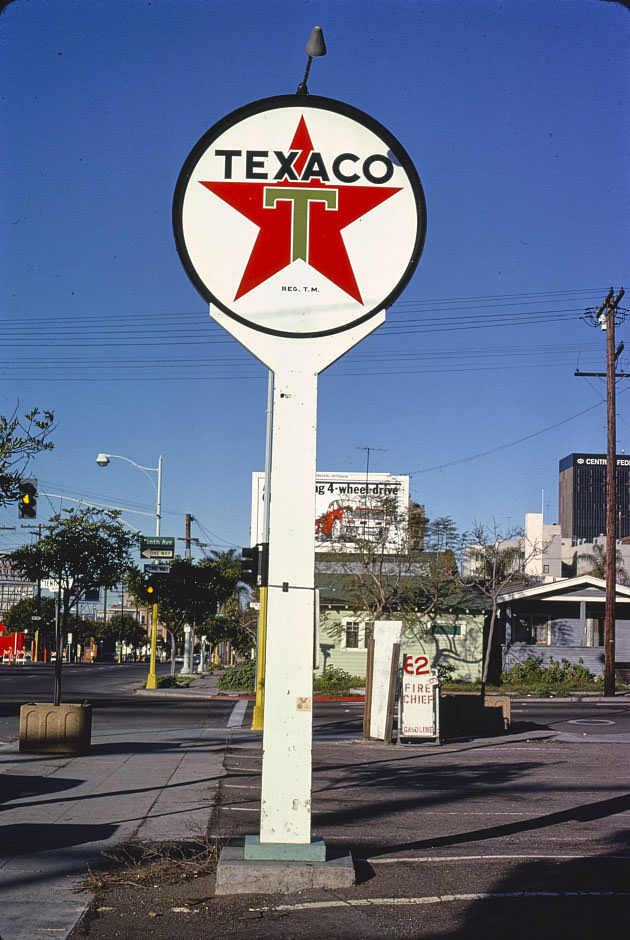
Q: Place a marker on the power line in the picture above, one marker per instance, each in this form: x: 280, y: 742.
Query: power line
x: 520, y: 440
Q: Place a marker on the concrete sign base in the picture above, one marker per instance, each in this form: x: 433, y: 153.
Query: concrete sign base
x: 313, y: 851
x: 238, y: 875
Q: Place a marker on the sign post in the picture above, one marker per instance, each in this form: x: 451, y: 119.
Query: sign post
x: 300, y: 220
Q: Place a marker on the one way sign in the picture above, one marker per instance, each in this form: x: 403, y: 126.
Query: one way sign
x: 157, y: 546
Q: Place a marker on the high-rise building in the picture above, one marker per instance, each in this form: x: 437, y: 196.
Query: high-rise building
x: 582, y: 496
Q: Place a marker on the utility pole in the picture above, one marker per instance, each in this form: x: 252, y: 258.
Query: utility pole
x: 188, y: 521
x: 189, y: 539
x: 605, y: 317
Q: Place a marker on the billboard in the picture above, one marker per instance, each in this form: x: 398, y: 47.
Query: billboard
x: 350, y: 509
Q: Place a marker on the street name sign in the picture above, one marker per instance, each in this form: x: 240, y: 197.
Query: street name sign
x: 157, y: 546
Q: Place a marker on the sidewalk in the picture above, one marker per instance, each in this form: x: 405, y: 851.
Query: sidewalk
x: 61, y: 813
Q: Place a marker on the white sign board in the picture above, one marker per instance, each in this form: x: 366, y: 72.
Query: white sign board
x: 386, y: 634
x: 49, y: 584
x: 349, y: 508
x: 418, y: 711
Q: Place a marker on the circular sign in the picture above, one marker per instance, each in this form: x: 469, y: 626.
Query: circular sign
x: 299, y: 216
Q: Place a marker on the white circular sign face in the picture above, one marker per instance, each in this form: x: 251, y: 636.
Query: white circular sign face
x: 299, y: 216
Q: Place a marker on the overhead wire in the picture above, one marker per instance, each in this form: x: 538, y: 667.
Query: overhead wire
x: 508, y: 444
x: 121, y: 333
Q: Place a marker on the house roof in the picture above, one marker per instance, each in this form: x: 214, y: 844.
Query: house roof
x: 585, y: 587
x: 338, y: 588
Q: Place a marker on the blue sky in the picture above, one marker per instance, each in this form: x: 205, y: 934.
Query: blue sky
x: 515, y: 115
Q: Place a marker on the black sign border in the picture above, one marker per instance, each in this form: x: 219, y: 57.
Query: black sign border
x: 305, y: 101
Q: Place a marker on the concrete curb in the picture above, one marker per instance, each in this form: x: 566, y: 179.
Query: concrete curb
x: 233, y: 696
x: 623, y: 699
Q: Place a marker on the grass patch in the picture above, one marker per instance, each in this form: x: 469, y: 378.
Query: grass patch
x: 173, y: 682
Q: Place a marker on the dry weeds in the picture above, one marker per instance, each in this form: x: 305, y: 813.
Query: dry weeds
x: 148, y: 865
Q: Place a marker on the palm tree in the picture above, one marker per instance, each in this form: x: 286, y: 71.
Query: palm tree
x: 597, y: 561
x: 229, y: 562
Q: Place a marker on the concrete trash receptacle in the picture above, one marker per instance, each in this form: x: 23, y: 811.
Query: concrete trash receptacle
x: 60, y: 729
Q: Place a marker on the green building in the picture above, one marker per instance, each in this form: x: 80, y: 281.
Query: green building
x: 451, y: 636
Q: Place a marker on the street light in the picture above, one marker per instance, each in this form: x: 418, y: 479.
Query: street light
x: 103, y: 460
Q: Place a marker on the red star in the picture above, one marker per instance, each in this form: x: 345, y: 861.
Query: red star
x: 324, y: 219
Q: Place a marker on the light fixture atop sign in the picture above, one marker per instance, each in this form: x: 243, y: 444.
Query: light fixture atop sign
x: 314, y: 47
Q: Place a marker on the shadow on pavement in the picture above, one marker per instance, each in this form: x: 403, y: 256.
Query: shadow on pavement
x: 587, y: 812
x: 12, y: 785
x: 580, y: 898
x: 26, y: 838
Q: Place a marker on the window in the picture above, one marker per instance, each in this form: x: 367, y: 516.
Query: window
x: 530, y: 629
x: 353, y: 635
x: 595, y: 632
x: 448, y: 628
x: 545, y: 569
x: 540, y: 630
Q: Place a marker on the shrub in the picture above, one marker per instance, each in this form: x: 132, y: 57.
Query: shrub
x: 532, y: 672
x: 444, y: 672
x: 241, y: 676
x: 336, y: 680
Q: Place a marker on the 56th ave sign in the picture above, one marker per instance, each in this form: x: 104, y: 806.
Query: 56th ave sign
x: 157, y: 546
x: 299, y: 216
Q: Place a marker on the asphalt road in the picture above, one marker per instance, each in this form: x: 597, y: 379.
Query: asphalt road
x: 107, y: 686
x: 587, y: 719
x: 111, y: 688
x: 522, y: 835
x: 511, y: 837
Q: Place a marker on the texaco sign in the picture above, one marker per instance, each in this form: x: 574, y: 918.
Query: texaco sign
x: 299, y: 216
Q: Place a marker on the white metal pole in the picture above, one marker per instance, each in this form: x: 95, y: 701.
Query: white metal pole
x: 286, y: 773
x: 158, y: 513
x: 268, y: 445
x: 285, y: 817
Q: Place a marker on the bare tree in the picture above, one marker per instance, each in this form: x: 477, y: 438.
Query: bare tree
x: 495, y: 560
x: 385, y: 574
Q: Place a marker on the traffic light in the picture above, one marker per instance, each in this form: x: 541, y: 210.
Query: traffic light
x: 255, y: 564
x: 27, y: 502
x: 249, y: 565
x: 150, y: 590
x: 263, y: 569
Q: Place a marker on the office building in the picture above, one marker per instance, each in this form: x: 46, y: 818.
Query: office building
x: 582, y: 496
